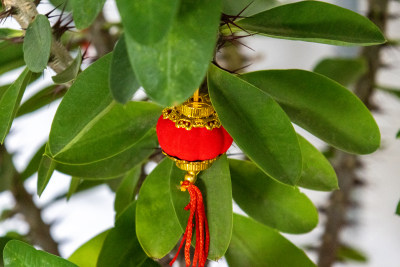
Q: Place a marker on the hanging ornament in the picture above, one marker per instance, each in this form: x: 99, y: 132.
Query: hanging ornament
x: 191, y: 135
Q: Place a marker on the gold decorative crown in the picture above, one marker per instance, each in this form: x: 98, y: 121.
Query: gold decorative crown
x: 196, y: 112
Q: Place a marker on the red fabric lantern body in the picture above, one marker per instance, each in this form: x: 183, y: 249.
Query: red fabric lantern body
x: 191, y: 135
x: 197, y: 144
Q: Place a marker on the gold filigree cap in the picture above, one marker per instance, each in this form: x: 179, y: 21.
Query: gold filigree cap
x: 195, y: 112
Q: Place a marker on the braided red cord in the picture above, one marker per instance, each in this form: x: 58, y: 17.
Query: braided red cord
x: 197, y: 211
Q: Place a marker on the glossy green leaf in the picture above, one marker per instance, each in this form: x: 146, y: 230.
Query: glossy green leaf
x: 20, y: 254
x: 7, y: 171
x: 315, y: 21
x: 130, y: 254
x: 41, y: 99
x: 123, y: 82
x: 254, y: 244
x: 126, y: 191
x: 33, y: 164
x: 147, y: 22
x: 85, y: 12
x: 157, y: 226
x: 317, y: 173
x: 9, y: 102
x: 322, y: 107
x: 70, y: 73
x: 89, y: 126
x: 215, y: 185
x: 88, y: 254
x: 172, y: 69
x: 347, y: 253
x: 257, y: 124
x: 37, y: 44
x: 274, y: 204
x: 345, y: 71
x: 10, y: 33
x: 73, y: 186
x: 247, y: 7
x: 114, y: 166
x: 45, y: 171
x: 62, y: 4
x: 11, y: 56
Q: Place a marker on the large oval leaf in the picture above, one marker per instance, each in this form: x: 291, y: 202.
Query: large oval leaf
x: 126, y: 191
x: 88, y: 254
x: 89, y: 126
x: 157, y: 226
x: 215, y: 185
x: 322, y: 107
x: 121, y: 247
x: 11, y: 56
x: 37, y: 44
x: 254, y: 244
x: 85, y: 11
x: 172, y: 69
x: 317, y: 173
x: 279, y: 206
x: 148, y: 21
x: 247, y: 7
x: 20, y: 254
x: 123, y: 82
x: 257, y: 124
x: 10, y: 99
x: 315, y: 21
x: 114, y: 166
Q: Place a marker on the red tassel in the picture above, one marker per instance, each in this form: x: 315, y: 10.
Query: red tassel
x: 196, y: 207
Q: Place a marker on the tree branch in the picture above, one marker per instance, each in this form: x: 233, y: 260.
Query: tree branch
x: 345, y: 164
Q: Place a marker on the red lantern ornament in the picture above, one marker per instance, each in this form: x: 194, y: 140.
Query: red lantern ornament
x: 192, y: 135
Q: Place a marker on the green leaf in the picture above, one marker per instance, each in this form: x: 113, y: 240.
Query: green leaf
x: 42, y: 98
x: 157, y: 226
x: 123, y: 82
x: 37, y: 44
x: 20, y: 254
x: 398, y: 208
x: 89, y: 126
x: 254, y: 244
x: 10, y: 33
x: 117, y: 165
x: 347, y: 253
x: 345, y: 71
x: 62, y: 4
x: 70, y: 72
x: 172, y: 69
x: 73, y: 186
x: 322, y: 107
x: 215, y: 185
x: 314, y: 21
x: 251, y: 7
x: 11, y: 56
x: 317, y: 173
x: 33, y: 164
x: 274, y: 204
x: 87, y: 254
x: 9, y: 102
x: 147, y: 22
x: 46, y: 169
x: 126, y: 191
x: 113, y: 131
x: 85, y: 12
x: 398, y: 134
x: 257, y: 124
x: 130, y: 254
x: 7, y: 171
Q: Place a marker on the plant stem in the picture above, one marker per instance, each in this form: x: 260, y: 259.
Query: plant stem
x: 345, y: 164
